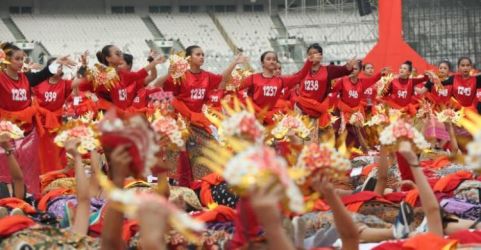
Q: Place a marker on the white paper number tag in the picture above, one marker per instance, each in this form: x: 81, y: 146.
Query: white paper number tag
x: 356, y: 172
x: 76, y: 100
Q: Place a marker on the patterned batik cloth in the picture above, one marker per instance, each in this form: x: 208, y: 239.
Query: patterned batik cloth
x: 197, y: 139
x: 48, y: 238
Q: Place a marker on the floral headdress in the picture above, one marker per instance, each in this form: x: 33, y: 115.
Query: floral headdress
x: 399, y: 130
x: 180, y: 65
x: 384, y: 84
x: 247, y: 166
x: 134, y: 130
x: 238, y: 121
x: 450, y: 115
x: 175, y: 130
x: 323, y: 158
x: 85, y: 133
x: 288, y: 125
x: 238, y: 75
x: 101, y: 75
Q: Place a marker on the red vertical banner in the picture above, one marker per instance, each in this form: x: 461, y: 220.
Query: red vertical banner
x: 391, y: 49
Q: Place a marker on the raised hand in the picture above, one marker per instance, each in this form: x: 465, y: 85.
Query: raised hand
x: 66, y: 61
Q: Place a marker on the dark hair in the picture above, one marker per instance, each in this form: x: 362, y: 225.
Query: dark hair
x: 445, y: 61
x: 364, y: 65
x: 409, y: 64
x: 315, y: 46
x: 51, y: 60
x: 464, y: 58
x: 263, y: 56
x: 190, y: 49
x: 128, y: 58
x: 102, y: 55
x: 9, y: 48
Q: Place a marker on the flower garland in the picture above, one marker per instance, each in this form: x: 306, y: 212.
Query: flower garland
x: 290, y: 125
x: 323, y: 158
x: 13, y: 131
x: 85, y: 134
x: 402, y: 130
x: 101, y: 75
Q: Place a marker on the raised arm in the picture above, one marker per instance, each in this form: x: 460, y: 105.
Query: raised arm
x: 345, y: 226
x: 292, y: 80
x: 119, y: 161
x: 227, y: 74
x: 265, y: 203
x: 82, y: 212
x: 429, y: 202
x: 18, y: 183
x: 35, y: 79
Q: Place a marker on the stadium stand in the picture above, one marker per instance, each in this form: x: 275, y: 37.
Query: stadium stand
x: 80, y: 32
x: 196, y: 29
x: 5, y: 34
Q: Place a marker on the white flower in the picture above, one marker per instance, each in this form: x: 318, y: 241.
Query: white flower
x: 244, y: 170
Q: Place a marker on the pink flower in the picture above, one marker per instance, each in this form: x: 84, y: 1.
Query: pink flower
x: 79, y: 132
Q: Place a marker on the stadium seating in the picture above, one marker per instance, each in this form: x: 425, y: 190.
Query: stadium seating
x: 198, y: 29
x: 249, y: 31
x: 341, y: 35
x: 73, y: 34
x: 5, y: 34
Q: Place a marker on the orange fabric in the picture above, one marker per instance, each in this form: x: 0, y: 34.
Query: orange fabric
x: 42, y: 204
x: 348, y: 109
x: 103, y: 104
x: 437, y: 163
x: 321, y: 109
x: 218, y: 214
x: 197, y: 119
x: 14, y: 223
x: 33, y: 112
x: 17, y: 203
x: 443, y: 183
x: 47, y: 178
x: 412, y: 197
x: 429, y: 239
x: 205, y: 192
x: 354, y: 207
x: 367, y: 169
x: 320, y: 205
x: 129, y: 228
